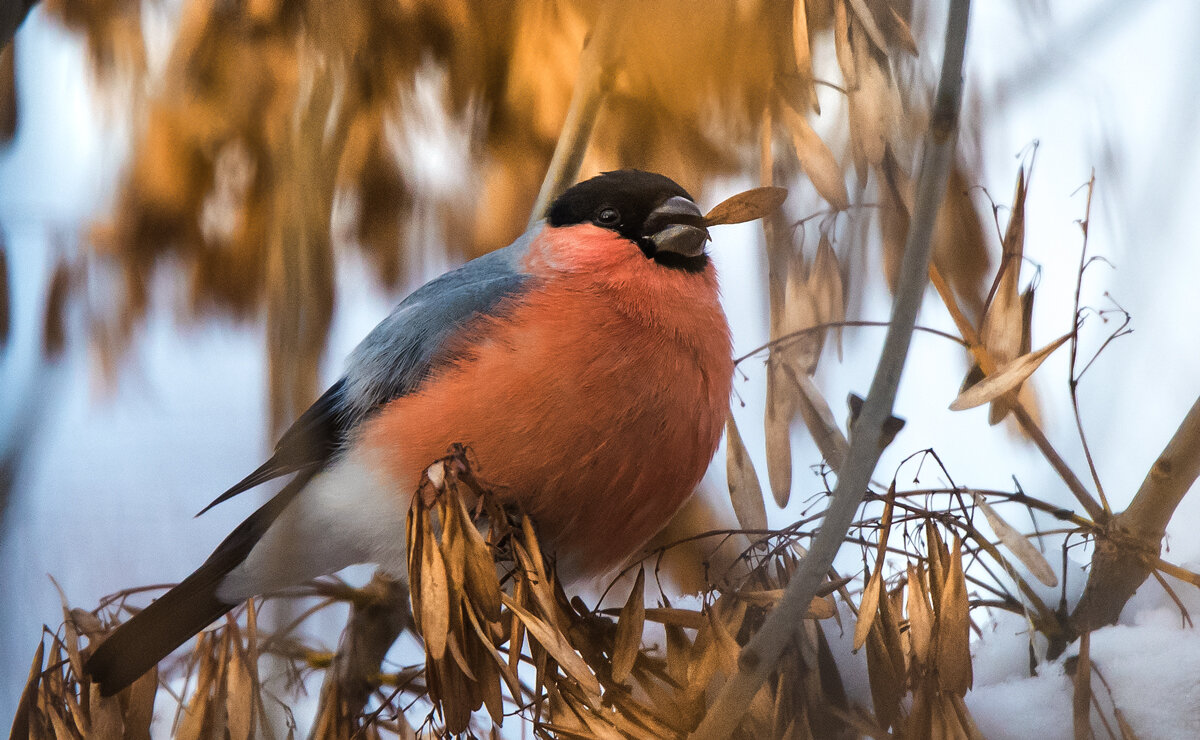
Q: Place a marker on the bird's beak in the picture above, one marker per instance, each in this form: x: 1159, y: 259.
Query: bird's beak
x: 677, y: 226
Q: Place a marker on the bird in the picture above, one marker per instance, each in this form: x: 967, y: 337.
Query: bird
x: 587, y: 367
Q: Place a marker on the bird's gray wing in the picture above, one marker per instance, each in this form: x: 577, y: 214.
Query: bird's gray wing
x: 393, y: 360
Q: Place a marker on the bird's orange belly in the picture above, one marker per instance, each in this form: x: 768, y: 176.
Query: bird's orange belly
x: 599, y: 446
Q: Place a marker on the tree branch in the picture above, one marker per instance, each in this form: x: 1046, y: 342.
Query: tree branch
x: 1127, y: 553
x: 758, y: 658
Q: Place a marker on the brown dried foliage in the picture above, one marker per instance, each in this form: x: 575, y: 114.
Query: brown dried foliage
x: 503, y: 639
x: 265, y: 111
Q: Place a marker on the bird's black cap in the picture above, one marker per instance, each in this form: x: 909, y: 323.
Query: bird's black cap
x: 625, y: 201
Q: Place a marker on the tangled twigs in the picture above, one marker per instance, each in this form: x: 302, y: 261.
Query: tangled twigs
x: 378, y: 614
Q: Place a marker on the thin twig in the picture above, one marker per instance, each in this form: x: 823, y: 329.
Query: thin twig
x: 778, y: 342
x: 758, y: 658
x: 1072, y: 378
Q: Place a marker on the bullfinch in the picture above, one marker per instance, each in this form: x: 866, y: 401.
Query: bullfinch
x: 587, y: 366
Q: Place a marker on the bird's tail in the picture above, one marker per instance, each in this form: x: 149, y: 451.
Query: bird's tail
x: 154, y: 632
x: 151, y: 634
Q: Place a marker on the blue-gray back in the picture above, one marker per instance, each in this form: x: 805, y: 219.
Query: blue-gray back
x: 393, y: 360
x: 405, y: 347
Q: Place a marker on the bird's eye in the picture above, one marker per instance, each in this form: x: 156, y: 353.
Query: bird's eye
x: 608, y: 216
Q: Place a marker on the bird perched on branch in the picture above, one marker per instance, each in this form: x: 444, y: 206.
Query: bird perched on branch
x: 587, y: 366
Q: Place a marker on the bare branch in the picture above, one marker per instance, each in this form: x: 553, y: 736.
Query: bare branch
x: 758, y: 658
x: 1128, y: 552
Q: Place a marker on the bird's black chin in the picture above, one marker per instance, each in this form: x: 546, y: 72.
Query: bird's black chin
x: 675, y: 260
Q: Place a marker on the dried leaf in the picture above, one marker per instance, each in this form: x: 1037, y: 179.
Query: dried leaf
x: 867, y: 19
x: 489, y: 686
x: 454, y: 547
x: 453, y: 693
x: 1002, y: 328
x: 888, y: 625
x: 659, y: 719
x: 540, y: 588
x: 825, y: 287
x: 1027, y: 320
x: 965, y: 720
x: 557, y: 647
x: 239, y: 701
x: 868, y: 608
x: 726, y: 648
x: 818, y: 417
x: 1018, y: 544
x: 413, y: 526
x: 920, y: 618
x: 803, y: 50
x: 196, y: 711
x: 746, y: 206
x: 1006, y: 378
x: 504, y: 669
x: 898, y: 31
x: 938, y: 562
x: 516, y: 632
x: 817, y: 161
x: 802, y: 348
x: 482, y: 584
x: 629, y: 628
x: 676, y: 617
x: 874, y: 107
x: 745, y: 492
x: 887, y: 686
x: 138, y: 701
x: 777, y: 425
x: 597, y: 727
x: 954, y: 629
x: 81, y: 720
x: 455, y: 649
x: 960, y: 251
x: 680, y: 659
x: 841, y: 44
x: 61, y: 730
x: 435, y: 593
x: 22, y: 726
x: 871, y: 594
x: 885, y: 525
x: 536, y: 562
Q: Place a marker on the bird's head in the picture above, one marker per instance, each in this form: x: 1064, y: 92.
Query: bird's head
x: 648, y: 209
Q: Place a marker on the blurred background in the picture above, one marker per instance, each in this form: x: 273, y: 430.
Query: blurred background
x: 204, y: 206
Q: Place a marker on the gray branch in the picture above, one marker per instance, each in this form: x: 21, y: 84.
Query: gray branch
x: 758, y: 658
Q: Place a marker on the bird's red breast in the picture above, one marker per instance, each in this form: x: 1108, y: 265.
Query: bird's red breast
x: 594, y: 400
